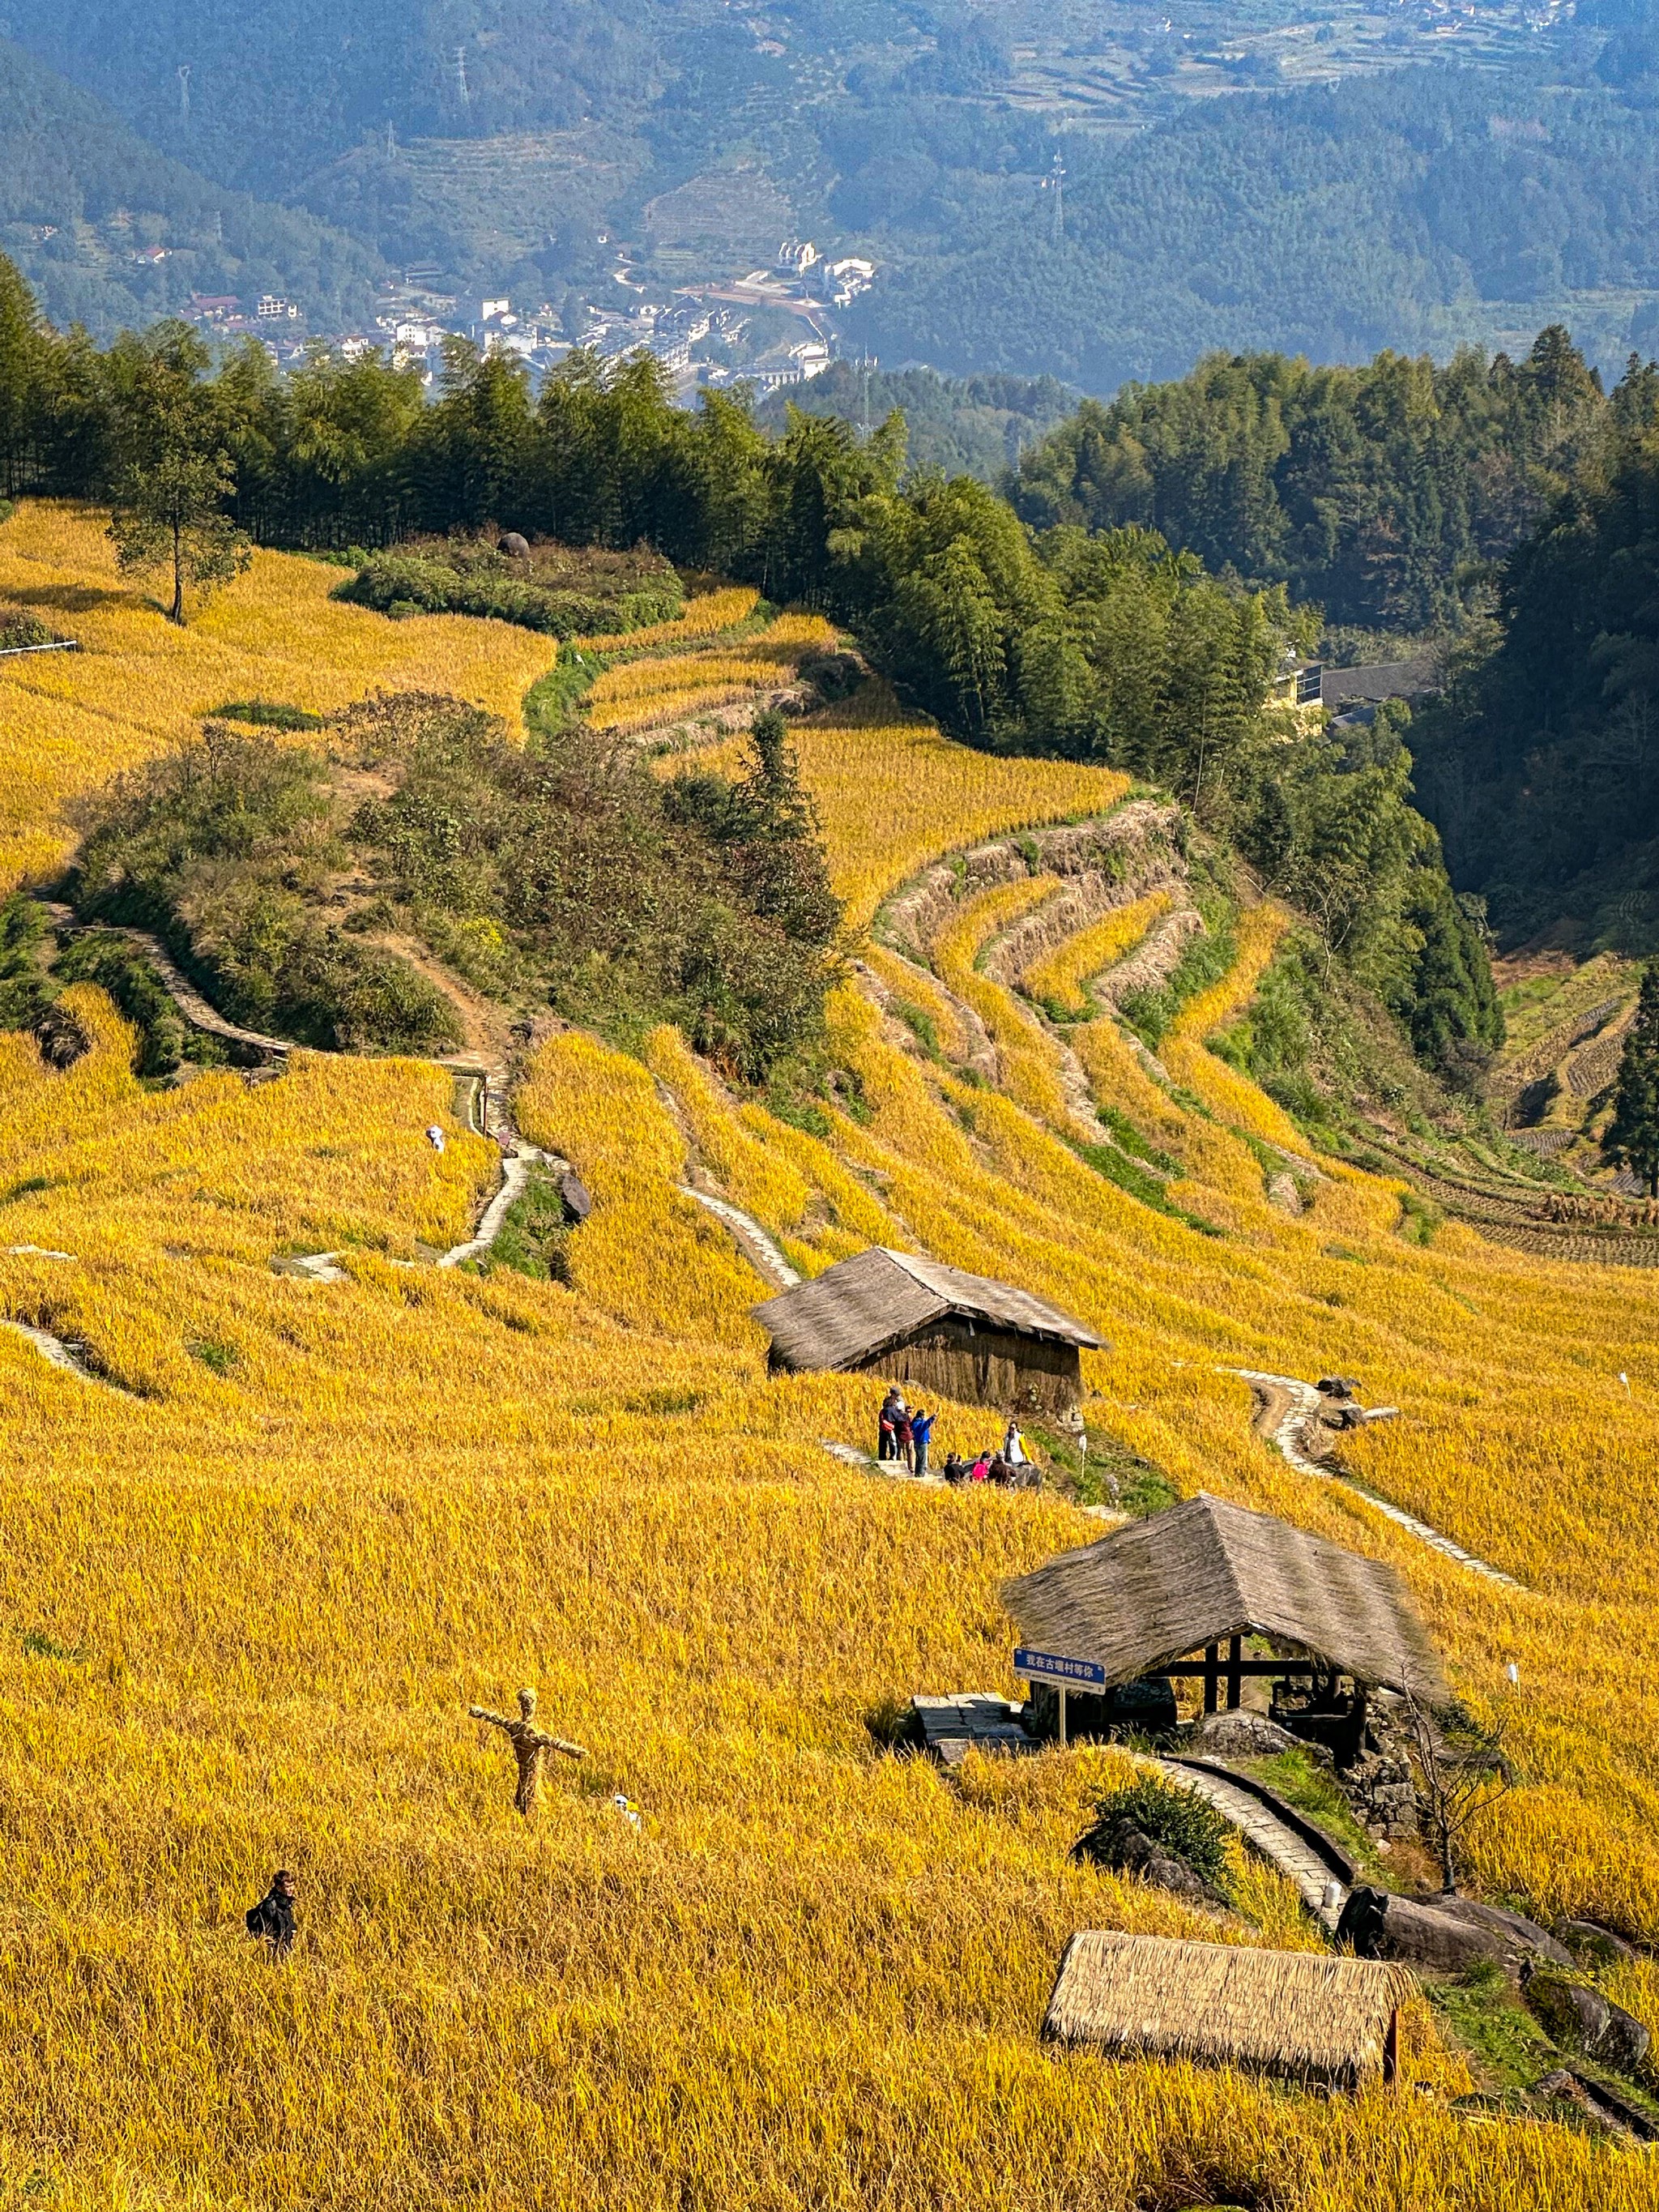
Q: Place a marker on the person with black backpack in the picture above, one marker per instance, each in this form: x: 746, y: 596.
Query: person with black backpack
x: 271, y: 1920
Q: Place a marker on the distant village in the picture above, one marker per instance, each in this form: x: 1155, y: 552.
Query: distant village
x: 704, y: 336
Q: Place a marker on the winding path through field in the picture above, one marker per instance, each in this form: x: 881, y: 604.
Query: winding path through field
x: 59, y: 1354
x: 1287, y: 1406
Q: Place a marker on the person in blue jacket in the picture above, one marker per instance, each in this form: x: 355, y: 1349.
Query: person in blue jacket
x: 922, y: 1432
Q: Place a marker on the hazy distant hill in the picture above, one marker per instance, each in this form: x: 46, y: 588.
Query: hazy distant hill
x: 1418, y: 209
x: 1360, y: 184
x: 81, y: 196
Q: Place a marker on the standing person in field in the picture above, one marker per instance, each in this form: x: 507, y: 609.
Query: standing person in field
x: 921, y: 1435
x: 271, y: 1920
x: 901, y: 1433
x: 1013, y: 1444
x: 886, y: 1442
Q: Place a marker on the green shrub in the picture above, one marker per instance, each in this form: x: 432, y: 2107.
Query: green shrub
x: 532, y: 1241
x: 560, y: 593
x: 102, y: 957
x: 19, y: 627
x: 25, y: 993
x: 1182, y: 1823
x: 219, y: 1358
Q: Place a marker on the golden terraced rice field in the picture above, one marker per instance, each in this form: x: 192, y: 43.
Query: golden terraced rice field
x: 71, y: 720
x: 253, y: 1578
x: 639, y: 693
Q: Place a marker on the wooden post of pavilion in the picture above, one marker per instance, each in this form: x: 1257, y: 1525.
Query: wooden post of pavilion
x: 1235, y: 1674
x: 1212, y: 1676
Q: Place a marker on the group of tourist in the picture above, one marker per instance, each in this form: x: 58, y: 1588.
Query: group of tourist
x: 904, y: 1434
x: 999, y: 1467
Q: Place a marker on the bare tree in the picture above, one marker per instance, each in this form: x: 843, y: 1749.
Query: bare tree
x: 1464, y: 1770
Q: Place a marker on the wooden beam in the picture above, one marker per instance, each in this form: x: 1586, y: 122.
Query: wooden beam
x: 1212, y: 1672
x: 1187, y: 1669
x: 1235, y: 1669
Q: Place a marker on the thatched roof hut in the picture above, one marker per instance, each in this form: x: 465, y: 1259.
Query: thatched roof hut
x: 1208, y: 1571
x: 961, y: 1336
x: 1301, y: 2015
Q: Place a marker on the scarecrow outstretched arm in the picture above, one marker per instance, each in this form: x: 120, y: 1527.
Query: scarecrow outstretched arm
x: 496, y: 1720
x: 558, y: 1743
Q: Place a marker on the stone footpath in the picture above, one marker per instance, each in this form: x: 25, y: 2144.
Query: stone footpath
x: 1321, y: 1878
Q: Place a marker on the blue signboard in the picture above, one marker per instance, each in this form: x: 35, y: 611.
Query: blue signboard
x: 1067, y: 1673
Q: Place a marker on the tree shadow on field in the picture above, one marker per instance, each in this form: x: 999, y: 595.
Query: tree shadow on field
x: 74, y: 599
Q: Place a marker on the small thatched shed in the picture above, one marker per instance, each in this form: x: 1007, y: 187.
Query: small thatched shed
x: 1207, y: 1573
x: 952, y: 1335
x: 1301, y: 2015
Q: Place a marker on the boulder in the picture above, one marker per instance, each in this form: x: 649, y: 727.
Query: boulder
x: 1381, y: 1925
x: 1526, y: 1937
x: 833, y: 676
x: 1601, y: 1943
x: 1446, y: 1933
x: 515, y: 547
x: 1564, y: 2087
x: 1244, y: 1735
x: 1584, y: 2020
x: 1597, y: 2100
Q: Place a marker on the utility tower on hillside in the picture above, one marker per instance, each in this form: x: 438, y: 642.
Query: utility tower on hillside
x: 1055, y: 185
x: 183, y: 87
x: 460, y: 76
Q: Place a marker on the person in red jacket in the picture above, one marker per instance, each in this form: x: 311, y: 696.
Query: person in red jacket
x: 902, y: 1432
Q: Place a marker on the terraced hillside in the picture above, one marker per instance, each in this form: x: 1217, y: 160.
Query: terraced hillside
x: 283, y: 1529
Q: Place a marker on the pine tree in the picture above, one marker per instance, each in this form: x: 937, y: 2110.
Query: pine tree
x: 1632, y: 1136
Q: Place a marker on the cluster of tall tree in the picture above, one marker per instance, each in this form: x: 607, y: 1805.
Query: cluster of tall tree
x: 1100, y: 645
x: 1542, y: 762
x: 1379, y: 492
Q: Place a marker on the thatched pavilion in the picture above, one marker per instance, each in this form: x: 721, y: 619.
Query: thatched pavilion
x: 916, y: 1321
x: 1164, y: 1595
x: 1301, y: 2015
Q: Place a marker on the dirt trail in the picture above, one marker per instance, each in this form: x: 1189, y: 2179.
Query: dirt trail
x: 486, y: 1033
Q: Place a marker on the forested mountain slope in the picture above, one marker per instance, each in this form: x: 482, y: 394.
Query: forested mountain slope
x: 1541, y: 764
x: 1412, y: 211
x: 81, y: 195
x: 1407, y: 206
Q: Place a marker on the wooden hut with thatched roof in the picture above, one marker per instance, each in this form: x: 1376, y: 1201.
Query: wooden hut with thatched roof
x: 1163, y: 1597
x: 915, y: 1320
x: 1301, y: 2015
